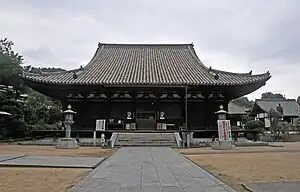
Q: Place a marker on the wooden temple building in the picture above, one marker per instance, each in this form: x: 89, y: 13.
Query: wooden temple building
x: 146, y: 86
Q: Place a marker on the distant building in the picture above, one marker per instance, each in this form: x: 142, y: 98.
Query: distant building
x: 288, y: 107
x: 236, y: 114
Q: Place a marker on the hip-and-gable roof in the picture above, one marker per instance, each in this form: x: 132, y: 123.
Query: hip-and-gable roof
x: 146, y: 64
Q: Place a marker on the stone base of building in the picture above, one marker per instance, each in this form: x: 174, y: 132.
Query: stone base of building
x: 222, y: 145
x: 67, y: 143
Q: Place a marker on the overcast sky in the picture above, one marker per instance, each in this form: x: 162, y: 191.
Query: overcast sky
x: 232, y: 35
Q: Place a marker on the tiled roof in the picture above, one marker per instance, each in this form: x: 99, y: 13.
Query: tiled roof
x: 148, y: 64
x: 234, y: 109
x: 290, y: 106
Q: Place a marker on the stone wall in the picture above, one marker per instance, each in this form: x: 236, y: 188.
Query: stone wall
x: 293, y: 137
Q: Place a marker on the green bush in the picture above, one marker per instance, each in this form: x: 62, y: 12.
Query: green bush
x: 250, y: 136
x: 254, y: 125
x: 38, y: 127
x: 297, y: 125
x: 284, y: 127
x: 45, y: 127
x: 51, y: 126
x: 16, y: 129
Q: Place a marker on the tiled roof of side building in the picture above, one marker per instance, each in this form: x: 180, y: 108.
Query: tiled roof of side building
x: 148, y: 64
x: 234, y: 109
x: 290, y: 106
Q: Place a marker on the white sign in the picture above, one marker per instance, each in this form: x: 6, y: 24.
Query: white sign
x: 100, y: 125
x: 224, y: 130
x: 267, y: 122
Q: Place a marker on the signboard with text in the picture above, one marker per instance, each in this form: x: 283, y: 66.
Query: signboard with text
x: 100, y: 125
x: 224, y: 130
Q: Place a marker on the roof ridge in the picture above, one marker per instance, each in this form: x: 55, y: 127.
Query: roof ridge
x: 241, y: 74
x: 228, y: 72
x: 50, y: 73
x: 145, y: 44
x: 206, y: 69
x: 275, y: 99
x: 98, y: 51
x: 195, y: 56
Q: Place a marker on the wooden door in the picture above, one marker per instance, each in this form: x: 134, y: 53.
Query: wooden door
x: 146, y: 120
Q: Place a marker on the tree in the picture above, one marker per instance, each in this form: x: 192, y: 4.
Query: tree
x: 274, y: 120
x: 243, y: 101
x: 11, y: 126
x: 36, y: 109
x: 40, y: 108
x: 297, y: 125
x: 270, y: 95
x: 10, y: 64
x: 298, y: 100
x: 278, y: 126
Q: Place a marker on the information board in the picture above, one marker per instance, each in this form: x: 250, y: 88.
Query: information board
x: 224, y: 130
x: 100, y: 125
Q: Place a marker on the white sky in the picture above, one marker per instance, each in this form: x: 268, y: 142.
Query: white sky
x: 233, y: 35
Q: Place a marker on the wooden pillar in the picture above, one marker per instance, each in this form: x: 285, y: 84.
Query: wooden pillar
x: 182, y: 104
x: 133, y: 95
x: 109, y: 105
x: 157, y: 109
x: 186, y: 107
x: 206, y: 114
x: 84, y: 107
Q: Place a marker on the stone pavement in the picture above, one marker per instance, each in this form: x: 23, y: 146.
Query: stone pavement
x: 273, y: 187
x: 8, y: 157
x: 149, y: 169
x: 52, y: 161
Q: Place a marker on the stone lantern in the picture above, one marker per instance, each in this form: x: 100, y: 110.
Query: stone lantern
x: 221, y: 113
x: 68, y: 114
x: 224, y: 131
x: 68, y: 142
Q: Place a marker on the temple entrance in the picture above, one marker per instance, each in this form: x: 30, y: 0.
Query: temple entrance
x: 146, y: 120
x: 146, y: 116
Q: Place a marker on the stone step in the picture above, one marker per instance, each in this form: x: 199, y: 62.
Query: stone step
x: 145, y: 139
x: 160, y: 141
x: 147, y: 144
x: 137, y: 136
x: 154, y: 140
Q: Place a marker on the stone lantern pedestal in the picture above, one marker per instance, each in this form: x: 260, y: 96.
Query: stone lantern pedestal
x: 224, y: 142
x: 222, y: 145
x: 68, y: 142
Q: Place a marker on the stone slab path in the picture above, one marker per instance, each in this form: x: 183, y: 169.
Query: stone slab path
x: 9, y: 157
x: 273, y: 187
x: 51, y: 161
x: 149, y: 169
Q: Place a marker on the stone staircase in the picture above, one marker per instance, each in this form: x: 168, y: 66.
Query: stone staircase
x: 145, y: 139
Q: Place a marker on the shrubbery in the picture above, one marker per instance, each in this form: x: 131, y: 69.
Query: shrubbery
x: 254, y: 125
x: 297, y: 125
